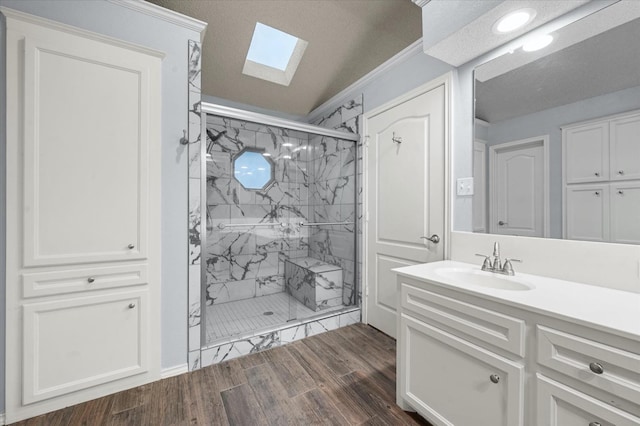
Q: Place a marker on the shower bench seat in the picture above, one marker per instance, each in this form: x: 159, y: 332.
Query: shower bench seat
x: 316, y: 284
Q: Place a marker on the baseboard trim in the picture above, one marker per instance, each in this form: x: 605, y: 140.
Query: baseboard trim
x: 3, y: 419
x: 174, y: 371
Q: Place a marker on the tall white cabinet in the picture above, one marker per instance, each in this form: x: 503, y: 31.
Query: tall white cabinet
x: 601, y: 176
x: 83, y: 215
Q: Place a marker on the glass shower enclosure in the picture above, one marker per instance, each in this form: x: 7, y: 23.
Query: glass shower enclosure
x: 281, y: 226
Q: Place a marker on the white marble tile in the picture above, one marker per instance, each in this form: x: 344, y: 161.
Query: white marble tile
x: 194, y: 360
x: 292, y: 334
x: 194, y: 295
x: 349, y: 318
x: 194, y: 338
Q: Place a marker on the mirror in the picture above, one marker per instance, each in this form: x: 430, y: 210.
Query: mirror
x: 556, y: 150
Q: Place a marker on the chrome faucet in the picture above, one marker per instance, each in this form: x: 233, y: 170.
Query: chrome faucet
x: 494, y: 264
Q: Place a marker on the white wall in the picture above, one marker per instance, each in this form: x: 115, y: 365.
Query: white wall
x: 122, y: 23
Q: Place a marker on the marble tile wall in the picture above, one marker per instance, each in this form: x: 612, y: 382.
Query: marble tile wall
x: 332, y: 197
x: 195, y: 226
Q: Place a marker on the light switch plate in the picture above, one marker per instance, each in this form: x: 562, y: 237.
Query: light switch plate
x: 464, y: 186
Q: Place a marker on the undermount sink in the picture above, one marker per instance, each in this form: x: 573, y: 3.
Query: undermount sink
x: 480, y: 278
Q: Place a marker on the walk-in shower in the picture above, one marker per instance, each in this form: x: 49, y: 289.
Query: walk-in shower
x: 281, y: 225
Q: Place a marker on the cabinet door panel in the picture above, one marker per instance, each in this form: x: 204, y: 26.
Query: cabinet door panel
x: 587, y: 153
x: 560, y: 405
x: 445, y: 370
x: 85, y: 159
x: 625, y: 212
x: 625, y: 148
x: 587, y: 215
x: 73, y: 344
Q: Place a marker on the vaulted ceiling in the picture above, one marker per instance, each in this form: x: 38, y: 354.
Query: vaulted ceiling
x: 347, y: 39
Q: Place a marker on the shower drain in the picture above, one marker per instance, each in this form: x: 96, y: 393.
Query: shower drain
x: 268, y: 313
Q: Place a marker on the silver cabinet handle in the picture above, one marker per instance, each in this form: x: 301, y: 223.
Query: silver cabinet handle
x: 620, y: 172
x: 597, y: 193
x: 597, y: 174
x: 91, y: 279
x: 131, y: 246
x: 435, y: 239
x: 595, y: 424
x: 494, y: 378
x: 621, y: 192
x: 502, y: 223
x: 132, y: 305
x: 596, y: 367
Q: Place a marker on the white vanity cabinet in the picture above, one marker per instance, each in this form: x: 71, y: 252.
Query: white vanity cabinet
x: 601, y: 175
x: 464, y: 359
x: 449, y: 376
x: 83, y: 222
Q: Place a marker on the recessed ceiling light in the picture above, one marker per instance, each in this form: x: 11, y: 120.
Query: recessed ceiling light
x: 273, y: 55
x: 513, y: 21
x: 537, y: 43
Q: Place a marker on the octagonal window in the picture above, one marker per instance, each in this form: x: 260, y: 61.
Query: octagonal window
x: 252, y: 169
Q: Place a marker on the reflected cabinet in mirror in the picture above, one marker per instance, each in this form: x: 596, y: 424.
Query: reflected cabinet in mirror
x: 557, y: 134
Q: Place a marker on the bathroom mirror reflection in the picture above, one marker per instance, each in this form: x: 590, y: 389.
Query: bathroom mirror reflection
x: 556, y: 150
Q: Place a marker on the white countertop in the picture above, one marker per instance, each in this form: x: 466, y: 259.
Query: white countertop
x: 610, y: 310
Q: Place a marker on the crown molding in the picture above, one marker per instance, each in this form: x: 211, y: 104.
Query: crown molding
x: 421, y: 3
x: 165, y: 15
x: 345, y: 93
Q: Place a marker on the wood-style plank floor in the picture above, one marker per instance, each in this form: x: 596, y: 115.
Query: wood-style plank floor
x: 342, y: 377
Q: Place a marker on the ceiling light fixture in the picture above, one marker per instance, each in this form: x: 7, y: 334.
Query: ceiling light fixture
x: 537, y: 43
x: 513, y: 21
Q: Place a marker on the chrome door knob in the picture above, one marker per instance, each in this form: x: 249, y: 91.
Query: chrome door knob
x: 494, y: 378
x: 131, y: 246
x: 596, y: 367
x: 132, y: 305
x: 435, y: 239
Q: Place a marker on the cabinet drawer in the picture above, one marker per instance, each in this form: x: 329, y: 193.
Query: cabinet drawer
x: 494, y: 328
x: 74, y: 280
x: 454, y: 382
x: 560, y: 405
x: 576, y: 356
x: 74, y: 344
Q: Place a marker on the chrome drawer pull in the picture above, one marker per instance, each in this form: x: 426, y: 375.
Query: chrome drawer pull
x: 595, y: 424
x: 131, y: 246
x: 494, y: 378
x: 596, y: 367
x: 132, y: 305
x: 91, y: 279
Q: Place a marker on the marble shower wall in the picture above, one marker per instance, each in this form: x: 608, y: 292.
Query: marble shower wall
x: 332, y: 197
x: 248, y: 261
x: 195, y: 226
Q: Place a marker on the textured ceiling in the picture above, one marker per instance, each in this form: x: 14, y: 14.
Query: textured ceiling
x: 347, y: 39
x: 600, y: 64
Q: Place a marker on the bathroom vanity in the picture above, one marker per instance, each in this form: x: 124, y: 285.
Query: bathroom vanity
x: 480, y: 348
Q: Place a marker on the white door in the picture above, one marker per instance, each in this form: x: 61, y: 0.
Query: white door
x: 479, y: 186
x: 518, y: 196
x: 405, y: 195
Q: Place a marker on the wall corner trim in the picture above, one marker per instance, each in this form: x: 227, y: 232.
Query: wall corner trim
x: 347, y: 92
x: 168, y: 15
x: 170, y: 372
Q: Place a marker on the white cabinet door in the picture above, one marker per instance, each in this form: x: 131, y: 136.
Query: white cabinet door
x: 77, y: 343
x: 625, y: 212
x: 587, y: 153
x: 560, y: 405
x: 438, y: 371
x: 625, y: 148
x: 86, y: 141
x: 587, y: 212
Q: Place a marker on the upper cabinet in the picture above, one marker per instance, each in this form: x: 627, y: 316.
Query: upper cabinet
x: 625, y: 147
x: 587, y: 153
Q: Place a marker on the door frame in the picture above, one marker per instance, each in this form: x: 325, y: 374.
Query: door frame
x: 445, y: 81
x: 493, y: 153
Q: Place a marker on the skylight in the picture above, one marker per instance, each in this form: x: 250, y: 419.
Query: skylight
x: 273, y: 55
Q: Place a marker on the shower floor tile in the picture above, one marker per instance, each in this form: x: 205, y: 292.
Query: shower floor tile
x: 242, y: 316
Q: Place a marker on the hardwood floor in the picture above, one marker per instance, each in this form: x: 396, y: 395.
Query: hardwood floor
x: 342, y: 377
